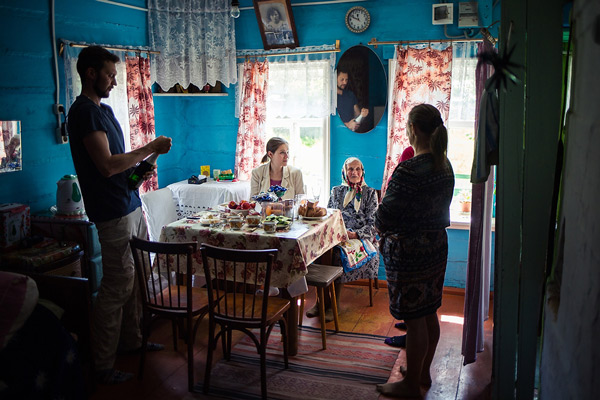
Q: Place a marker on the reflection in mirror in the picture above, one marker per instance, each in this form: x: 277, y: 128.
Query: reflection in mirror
x: 362, y: 89
x: 10, y: 149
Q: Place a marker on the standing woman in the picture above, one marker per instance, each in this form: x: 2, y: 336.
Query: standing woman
x: 412, y: 220
x: 276, y: 171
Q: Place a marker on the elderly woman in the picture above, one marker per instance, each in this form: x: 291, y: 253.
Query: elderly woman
x: 276, y: 171
x: 358, y: 203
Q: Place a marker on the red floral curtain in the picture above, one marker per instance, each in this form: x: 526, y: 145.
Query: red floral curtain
x: 422, y: 76
x: 250, y: 145
x: 141, y: 109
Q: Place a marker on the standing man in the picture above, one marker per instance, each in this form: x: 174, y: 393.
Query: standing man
x: 98, y: 150
x: 347, y: 104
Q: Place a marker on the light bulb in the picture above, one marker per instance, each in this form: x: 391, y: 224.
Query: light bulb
x: 235, y: 11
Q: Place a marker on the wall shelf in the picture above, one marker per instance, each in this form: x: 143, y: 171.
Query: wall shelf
x: 191, y: 94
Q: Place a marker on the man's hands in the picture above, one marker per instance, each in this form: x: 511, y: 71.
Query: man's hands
x: 352, y: 125
x: 364, y: 112
x: 161, y: 145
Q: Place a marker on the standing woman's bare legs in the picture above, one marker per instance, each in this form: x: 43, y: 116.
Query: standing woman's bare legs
x: 417, y: 350
x: 433, y: 330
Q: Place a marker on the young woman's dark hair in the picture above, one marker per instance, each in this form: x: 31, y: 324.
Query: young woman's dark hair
x: 94, y: 57
x: 429, y: 121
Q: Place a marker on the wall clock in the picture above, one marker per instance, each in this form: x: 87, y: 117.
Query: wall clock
x: 358, y: 19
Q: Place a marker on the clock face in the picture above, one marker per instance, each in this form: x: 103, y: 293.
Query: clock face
x: 358, y: 19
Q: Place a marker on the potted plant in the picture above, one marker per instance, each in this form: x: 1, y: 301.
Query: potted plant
x: 464, y: 197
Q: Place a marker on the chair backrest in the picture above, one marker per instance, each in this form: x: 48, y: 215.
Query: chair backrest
x: 240, y: 280
x: 159, y: 209
x: 160, y: 269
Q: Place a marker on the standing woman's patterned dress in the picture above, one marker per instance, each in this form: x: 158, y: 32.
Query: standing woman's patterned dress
x: 412, y: 220
x: 362, y: 222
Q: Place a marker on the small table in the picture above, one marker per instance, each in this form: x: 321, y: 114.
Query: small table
x: 302, y: 244
x: 191, y: 198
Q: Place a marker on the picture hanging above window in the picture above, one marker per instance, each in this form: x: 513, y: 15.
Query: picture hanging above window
x: 276, y: 23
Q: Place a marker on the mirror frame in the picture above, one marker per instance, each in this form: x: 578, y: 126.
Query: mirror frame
x: 367, y: 81
x: 11, y: 143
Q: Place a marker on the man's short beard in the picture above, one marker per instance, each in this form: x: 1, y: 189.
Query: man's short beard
x: 102, y: 94
x: 341, y: 88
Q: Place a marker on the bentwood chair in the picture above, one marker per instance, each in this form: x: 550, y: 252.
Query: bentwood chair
x: 164, y: 273
x: 238, y: 283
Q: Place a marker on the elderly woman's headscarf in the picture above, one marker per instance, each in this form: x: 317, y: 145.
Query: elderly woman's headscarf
x: 355, y: 192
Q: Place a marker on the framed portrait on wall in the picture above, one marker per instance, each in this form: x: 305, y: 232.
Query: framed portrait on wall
x: 276, y: 24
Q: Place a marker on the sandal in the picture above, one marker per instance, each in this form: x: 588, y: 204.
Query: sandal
x: 400, y: 325
x: 396, y: 341
x: 112, y: 376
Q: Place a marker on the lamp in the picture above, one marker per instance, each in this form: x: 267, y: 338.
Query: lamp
x: 235, y: 9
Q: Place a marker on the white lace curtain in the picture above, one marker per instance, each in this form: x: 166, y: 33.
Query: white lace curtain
x: 301, y: 86
x: 196, y: 40
x: 462, y: 97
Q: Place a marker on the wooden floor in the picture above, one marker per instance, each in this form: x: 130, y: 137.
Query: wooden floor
x: 165, y: 376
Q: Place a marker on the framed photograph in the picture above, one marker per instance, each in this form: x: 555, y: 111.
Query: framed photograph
x: 276, y: 23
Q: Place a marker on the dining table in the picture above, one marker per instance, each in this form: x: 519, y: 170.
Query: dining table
x: 300, y: 244
x: 192, y: 198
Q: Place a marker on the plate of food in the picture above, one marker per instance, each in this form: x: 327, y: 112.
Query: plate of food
x: 315, y: 218
x: 243, y: 207
x: 310, y: 211
x: 281, y: 222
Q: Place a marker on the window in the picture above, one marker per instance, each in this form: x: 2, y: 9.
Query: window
x: 298, y: 109
x: 461, y: 128
x: 309, y: 143
x: 118, y: 95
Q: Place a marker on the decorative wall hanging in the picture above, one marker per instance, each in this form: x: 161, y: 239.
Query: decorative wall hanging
x: 276, y: 24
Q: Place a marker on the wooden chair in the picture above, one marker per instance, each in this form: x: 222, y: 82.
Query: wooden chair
x: 322, y: 277
x: 235, y: 303
x: 164, y: 273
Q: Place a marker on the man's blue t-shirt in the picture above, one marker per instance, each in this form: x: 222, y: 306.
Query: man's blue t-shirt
x: 104, y: 198
x: 345, y: 105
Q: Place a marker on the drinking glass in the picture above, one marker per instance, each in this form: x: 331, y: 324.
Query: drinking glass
x: 316, y: 193
x: 299, y: 200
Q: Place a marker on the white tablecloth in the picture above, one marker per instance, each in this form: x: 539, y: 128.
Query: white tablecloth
x: 191, y: 199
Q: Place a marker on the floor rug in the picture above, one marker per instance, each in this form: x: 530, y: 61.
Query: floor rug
x: 349, y: 369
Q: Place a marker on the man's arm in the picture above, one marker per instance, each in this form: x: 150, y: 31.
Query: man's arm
x: 96, y: 144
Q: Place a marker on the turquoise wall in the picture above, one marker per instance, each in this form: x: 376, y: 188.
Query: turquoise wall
x: 203, y: 129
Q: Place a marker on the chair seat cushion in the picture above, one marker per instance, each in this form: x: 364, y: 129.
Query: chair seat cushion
x: 322, y: 275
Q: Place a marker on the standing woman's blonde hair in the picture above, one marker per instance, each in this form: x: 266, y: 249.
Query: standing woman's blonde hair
x: 429, y: 121
x: 272, y: 146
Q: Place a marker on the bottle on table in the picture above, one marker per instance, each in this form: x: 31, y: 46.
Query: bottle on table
x: 137, y: 176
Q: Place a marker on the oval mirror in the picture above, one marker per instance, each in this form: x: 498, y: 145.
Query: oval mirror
x: 361, y: 88
x: 10, y: 150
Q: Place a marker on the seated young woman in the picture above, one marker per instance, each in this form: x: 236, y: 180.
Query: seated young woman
x: 276, y: 171
x: 358, y: 203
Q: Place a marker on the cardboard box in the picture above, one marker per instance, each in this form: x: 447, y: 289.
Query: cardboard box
x: 14, y: 224
x: 205, y: 170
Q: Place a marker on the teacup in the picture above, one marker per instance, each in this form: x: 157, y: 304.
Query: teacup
x: 270, y: 226
x: 236, y: 222
x: 253, y: 220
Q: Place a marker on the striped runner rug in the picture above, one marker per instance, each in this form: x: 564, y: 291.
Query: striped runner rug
x: 349, y: 369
